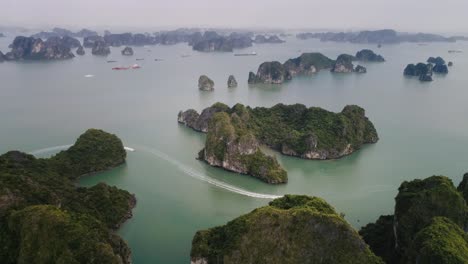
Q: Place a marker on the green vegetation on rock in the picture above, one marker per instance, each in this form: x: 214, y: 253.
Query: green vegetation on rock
x: 430, y: 216
x: 44, y: 217
x: 230, y: 145
x: 292, y: 229
x: 441, y: 242
x: 310, y: 133
x: 92, y: 152
x: 47, y: 234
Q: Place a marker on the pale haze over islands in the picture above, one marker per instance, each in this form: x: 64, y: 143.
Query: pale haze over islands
x: 414, y: 16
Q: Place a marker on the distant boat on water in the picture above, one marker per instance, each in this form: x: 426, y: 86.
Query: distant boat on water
x: 455, y: 51
x: 253, y: 53
x: 134, y: 67
x: 111, y: 61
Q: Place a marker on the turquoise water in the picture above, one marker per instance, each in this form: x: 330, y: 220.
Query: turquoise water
x: 422, y: 129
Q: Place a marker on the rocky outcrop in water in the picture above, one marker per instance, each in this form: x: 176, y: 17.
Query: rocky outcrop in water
x: 205, y: 83
x: 368, y: 55
x: 127, y: 51
x: 270, y: 73
x: 450, y: 64
x: 436, y: 60
x: 439, y: 65
x: 343, y: 64
x: 100, y: 48
x: 428, y: 222
x: 360, y: 69
x: 421, y: 70
x: 291, y: 229
x: 231, y: 83
x: 2, y: 35
x: 80, y: 51
x: 318, y: 135
x: 29, y: 48
x: 440, y: 68
x: 308, y: 63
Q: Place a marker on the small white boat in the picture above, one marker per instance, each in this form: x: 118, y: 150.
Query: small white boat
x: 129, y: 149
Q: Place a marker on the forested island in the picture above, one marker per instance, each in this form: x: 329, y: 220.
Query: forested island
x: 235, y: 134
x: 46, y: 218
x: 275, y: 72
x: 424, y: 71
x: 427, y: 227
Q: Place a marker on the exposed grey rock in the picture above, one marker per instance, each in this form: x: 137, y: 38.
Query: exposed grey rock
x: 232, y: 81
x: 29, y: 48
x: 360, y: 69
x: 127, y: 51
x: 343, y: 64
x: 270, y: 73
x: 205, y: 83
x: 80, y: 51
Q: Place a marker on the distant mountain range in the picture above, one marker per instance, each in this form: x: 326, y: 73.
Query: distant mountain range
x: 384, y: 36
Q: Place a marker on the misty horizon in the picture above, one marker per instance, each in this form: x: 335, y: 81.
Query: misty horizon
x: 145, y: 15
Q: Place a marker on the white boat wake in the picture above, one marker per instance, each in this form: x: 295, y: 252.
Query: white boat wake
x: 50, y: 149
x: 88, y: 76
x: 62, y: 147
x: 199, y: 176
x: 187, y: 170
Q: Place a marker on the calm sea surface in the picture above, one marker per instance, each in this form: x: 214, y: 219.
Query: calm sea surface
x: 422, y: 128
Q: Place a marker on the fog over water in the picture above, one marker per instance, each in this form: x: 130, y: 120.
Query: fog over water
x: 415, y: 15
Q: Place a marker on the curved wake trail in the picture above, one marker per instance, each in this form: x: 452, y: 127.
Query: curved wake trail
x: 197, y: 175
x: 187, y: 170
x: 50, y: 149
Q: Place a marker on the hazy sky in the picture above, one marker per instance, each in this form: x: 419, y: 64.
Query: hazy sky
x: 406, y: 15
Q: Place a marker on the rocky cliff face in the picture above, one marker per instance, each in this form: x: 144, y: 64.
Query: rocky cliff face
x: 270, y: 73
x: 343, y: 64
x: 231, y: 146
x: 231, y: 83
x: 368, y: 55
x: 29, y: 48
x: 291, y: 229
x: 295, y: 130
x: 205, y: 83
x: 127, y: 51
x: 200, y: 122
